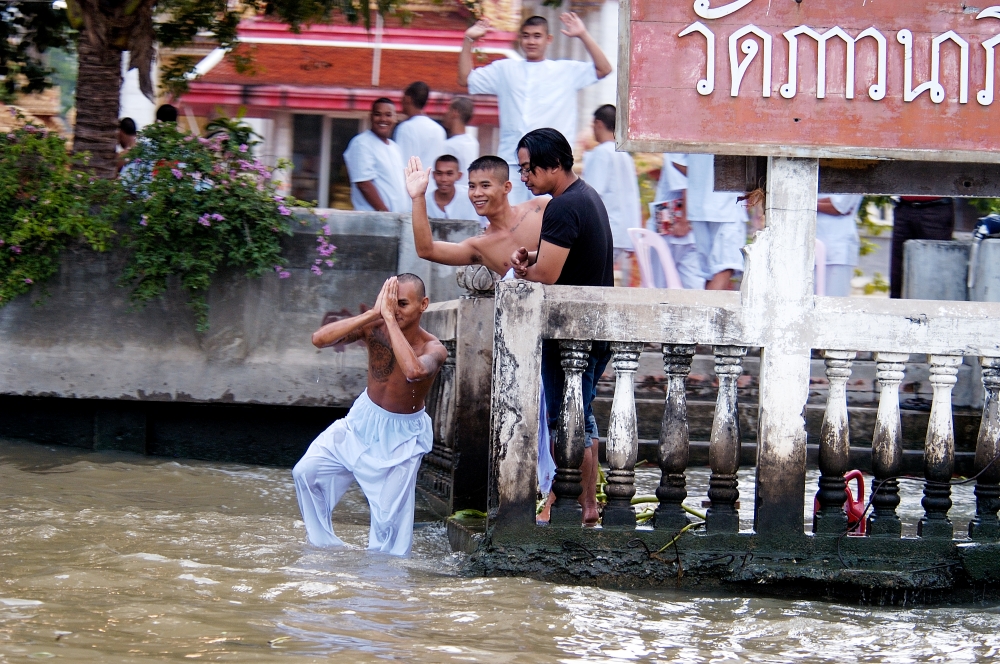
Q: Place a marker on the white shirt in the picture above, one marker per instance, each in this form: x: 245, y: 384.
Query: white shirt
x: 466, y: 149
x: 459, y: 208
x: 703, y: 202
x: 368, y: 158
x: 839, y: 234
x: 672, y: 185
x: 613, y: 175
x: 532, y: 95
x: 421, y: 137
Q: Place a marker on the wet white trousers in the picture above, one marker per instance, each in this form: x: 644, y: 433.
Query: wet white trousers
x: 382, y: 451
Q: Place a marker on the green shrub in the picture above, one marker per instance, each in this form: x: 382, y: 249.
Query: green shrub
x: 45, y: 205
x: 194, y: 206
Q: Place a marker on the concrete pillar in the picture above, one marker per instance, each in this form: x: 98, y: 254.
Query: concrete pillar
x: 517, y: 348
x: 777, y: 296
x: 283, y: 148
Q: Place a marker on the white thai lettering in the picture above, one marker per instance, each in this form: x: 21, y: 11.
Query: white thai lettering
x: 985, y: 96
x: 738, y: 69
x: 789, y: 89
x: 702, y: 9
x: 706, y: 85
x: 905, y: 37
x: 878, y: 89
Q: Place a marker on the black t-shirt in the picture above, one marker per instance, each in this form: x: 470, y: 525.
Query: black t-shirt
x: 577, y: 220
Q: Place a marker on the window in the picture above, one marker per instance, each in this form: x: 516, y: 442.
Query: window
x: 307, y: 141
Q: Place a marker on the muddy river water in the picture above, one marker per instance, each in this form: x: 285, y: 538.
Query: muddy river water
x: 117, y: 558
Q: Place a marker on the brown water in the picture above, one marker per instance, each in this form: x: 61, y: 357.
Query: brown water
x: 117, y: 558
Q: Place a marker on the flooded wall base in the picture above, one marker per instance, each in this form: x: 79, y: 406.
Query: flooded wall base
x: 240, y: 433
x: 903, y: 571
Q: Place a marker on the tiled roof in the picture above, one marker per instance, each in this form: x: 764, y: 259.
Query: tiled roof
x: 335, y: 66
x: 456, y: 19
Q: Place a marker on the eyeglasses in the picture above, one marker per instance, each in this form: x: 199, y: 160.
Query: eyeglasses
x: 525, y: 168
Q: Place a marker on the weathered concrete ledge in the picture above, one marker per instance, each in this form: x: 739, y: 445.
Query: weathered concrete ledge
x: 906, y: 570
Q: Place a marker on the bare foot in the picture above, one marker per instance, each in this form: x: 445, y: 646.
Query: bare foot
x: 543, y: 516
x: 588, y: 498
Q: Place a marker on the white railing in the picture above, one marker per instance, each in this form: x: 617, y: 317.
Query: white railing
x: 777, y: 313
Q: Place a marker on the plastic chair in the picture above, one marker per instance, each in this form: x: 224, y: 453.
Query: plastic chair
x: 645, y: 242
x: 819, y: 287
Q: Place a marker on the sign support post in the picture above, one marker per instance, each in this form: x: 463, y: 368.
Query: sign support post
x: 778, y: 290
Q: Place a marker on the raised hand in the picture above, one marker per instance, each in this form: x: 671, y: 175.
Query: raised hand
x: 574, y: 24
x: 416, y: 178
x: 478, y: 30
x: 519, y: 261
x: 390, y: 297
x: 379, y: 301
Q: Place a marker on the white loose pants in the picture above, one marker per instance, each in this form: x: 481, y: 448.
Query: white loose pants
x: 382, y: 451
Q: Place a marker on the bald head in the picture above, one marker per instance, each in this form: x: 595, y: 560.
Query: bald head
x: 418, y: 283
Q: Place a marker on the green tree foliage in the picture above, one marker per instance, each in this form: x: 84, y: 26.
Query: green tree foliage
x: 45, y: 206
x: 27, y: 31
x: 29, y: 28
x: 986, y: 205
x: 195, y: 206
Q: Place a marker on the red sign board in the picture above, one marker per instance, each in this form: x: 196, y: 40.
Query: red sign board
x: 903, y: 79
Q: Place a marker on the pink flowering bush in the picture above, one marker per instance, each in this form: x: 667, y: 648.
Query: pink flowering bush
x: 195, y: 206
x: 45, y: 206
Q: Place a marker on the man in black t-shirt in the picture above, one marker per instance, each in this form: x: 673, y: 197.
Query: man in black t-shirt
x: 576, y: 249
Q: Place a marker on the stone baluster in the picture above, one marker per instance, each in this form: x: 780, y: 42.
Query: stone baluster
x: 939, y: 450
x: 985, y: 525
x: 725, y: 446
x: 674, y: 442
x: 623, y: 438
x: 834, y: 446
x: 887, y: 446
x: 569, y: 441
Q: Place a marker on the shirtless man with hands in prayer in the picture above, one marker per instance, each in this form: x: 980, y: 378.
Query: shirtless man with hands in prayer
x: 510, y: 227
x: 385, y: 434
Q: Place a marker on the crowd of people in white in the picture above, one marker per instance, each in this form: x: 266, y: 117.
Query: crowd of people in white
x: 703, y: 229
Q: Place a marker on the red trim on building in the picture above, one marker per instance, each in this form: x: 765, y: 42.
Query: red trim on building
x: 260, y: 100
x: 430, y: 29
x: 326, y: 66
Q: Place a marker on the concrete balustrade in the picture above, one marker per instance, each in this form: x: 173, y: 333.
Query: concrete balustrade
x: 775, y: 312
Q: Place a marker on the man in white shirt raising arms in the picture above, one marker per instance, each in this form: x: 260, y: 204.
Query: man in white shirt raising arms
x: 612, y: 174
x: 375, y: 165
x: 450, y: 200
x: 459, y: 143
x: 418, y: 135
x: 533, y: 93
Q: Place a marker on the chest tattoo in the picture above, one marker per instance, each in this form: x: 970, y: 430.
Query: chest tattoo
x: 381, y: 359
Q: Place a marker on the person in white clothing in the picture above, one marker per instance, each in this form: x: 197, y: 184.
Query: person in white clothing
x: 680, y: 239
x: 612, y: 174
x: 459, y: 143
x: 375, y: 164
x: 719, y: 222
x: 837, y: 229
x: 387, y: 431
x: 418, y: 135
x: 533, y: 93
x: 450, y: 200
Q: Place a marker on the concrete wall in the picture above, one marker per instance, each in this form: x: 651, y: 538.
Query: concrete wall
x: 938, y: 270
x: 86, y: 341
